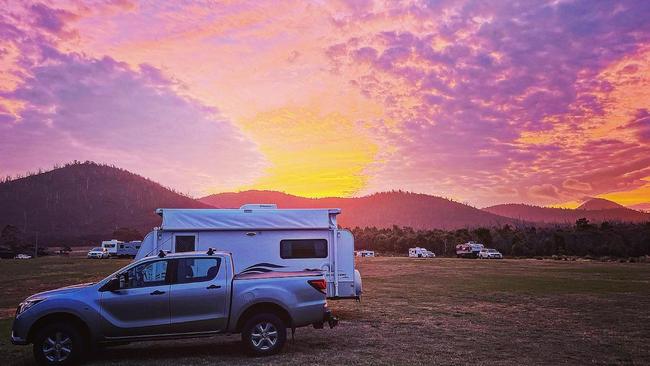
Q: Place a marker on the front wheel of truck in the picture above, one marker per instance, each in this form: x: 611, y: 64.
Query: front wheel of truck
x: 264, y: 334
x: 58, y: 344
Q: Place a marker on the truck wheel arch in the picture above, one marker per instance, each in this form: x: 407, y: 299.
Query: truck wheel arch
x: 59, y: 317
x: 263, y: 307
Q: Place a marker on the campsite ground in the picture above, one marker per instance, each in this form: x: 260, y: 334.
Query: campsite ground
x: 414, y: 311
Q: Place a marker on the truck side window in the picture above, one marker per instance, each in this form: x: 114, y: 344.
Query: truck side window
x: 303, y: 248
x: 197, y: 269
x: 146, y: 275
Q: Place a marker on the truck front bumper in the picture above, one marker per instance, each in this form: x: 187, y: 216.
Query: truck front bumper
x: 16, y: 340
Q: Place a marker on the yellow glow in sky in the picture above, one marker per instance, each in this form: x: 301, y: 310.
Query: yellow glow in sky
x: 311, y: 154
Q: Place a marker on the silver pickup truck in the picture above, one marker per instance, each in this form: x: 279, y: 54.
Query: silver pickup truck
x: 167, y: 297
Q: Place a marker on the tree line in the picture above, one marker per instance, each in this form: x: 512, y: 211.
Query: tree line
x: 14, y: 241
x: 582, y: 239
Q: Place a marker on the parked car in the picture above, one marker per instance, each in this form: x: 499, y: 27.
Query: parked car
x: 487, y: 253
x: 23, y: 256
x: 181, y: 295
x: 98, y: 253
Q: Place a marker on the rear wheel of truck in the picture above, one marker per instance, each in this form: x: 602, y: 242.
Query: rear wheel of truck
x: 58, y: 344
x: 264, y: 334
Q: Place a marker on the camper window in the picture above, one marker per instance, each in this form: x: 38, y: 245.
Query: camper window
x: 303, y: 248
x: 197, y: 269
x: 185, y: 243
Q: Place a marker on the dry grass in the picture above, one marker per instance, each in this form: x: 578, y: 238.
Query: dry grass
x: 433, y: 311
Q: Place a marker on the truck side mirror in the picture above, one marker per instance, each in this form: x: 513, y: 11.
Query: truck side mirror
x: 112, y: 285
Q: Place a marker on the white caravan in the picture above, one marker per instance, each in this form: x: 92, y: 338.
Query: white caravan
x: 264, y: 238
x: 364, y: 253
x: 128, y: 249
x: 418, y: 252
x: 111, y: 246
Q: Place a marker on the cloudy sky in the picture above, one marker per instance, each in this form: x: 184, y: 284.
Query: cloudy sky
x: 481, y: 101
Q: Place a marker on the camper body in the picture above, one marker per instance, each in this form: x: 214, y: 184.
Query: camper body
x: 264, y: 239
x: 418, y: 252
x: 468, y: 250
x: 111, y: 246
x: 128, y: 249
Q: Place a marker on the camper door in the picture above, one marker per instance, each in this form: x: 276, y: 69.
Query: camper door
x: 185, y: 242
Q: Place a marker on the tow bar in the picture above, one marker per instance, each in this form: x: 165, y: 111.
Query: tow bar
x: 331, y: 320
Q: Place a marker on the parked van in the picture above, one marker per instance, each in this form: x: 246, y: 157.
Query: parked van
x: 418, y: 252
x: 265, y: 239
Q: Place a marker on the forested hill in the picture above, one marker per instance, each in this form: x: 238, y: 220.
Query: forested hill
x: 84, y: 202
x: 565, y: 215
x: 382, y: 210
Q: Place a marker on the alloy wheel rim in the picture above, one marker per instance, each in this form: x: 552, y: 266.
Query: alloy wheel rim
x: 57, y: 347
x: 264, y: 336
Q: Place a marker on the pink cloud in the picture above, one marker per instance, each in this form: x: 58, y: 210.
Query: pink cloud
x: 544, y: 191
x: 76, y: 107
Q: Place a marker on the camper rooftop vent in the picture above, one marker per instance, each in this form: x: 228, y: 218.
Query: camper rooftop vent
x: 259, y: 206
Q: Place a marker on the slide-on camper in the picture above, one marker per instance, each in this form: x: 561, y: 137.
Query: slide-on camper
x: 264, y: 238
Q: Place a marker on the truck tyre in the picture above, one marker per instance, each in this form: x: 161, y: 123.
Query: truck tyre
x: 264, y: 334
x: 58, y: 344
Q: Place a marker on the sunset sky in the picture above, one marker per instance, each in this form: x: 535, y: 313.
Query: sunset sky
x: 484, y: 102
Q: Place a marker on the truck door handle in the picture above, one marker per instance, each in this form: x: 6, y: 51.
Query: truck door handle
x: 157, y: 292
x: 212, y: 287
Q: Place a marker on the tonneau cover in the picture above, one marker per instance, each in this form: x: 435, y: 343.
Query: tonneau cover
x: 247, y: 219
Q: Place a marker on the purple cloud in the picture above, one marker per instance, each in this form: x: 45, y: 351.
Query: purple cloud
x: 506, y: 67
x: 81, y: 108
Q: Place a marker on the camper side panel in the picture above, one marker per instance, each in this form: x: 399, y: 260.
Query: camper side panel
x: 345, y: 265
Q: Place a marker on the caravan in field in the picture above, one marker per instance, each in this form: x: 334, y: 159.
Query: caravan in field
x: 469, y: 249
x: 111, y: 246
x: 128, y: 249
x: 264, y: 239
x: 418, y: 252
x: 364, y: 253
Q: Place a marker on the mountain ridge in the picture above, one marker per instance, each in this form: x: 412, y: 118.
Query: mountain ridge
x: 84, y: 202
x: 549, y: 215
x: 594, y: 204
x: 383, y: 209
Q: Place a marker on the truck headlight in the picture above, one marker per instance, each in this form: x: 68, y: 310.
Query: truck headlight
x: 23, y: 306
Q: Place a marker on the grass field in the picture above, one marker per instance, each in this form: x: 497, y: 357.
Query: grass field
x: 414, y: 311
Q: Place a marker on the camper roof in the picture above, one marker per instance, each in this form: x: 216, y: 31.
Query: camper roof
x: 248, y: 217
